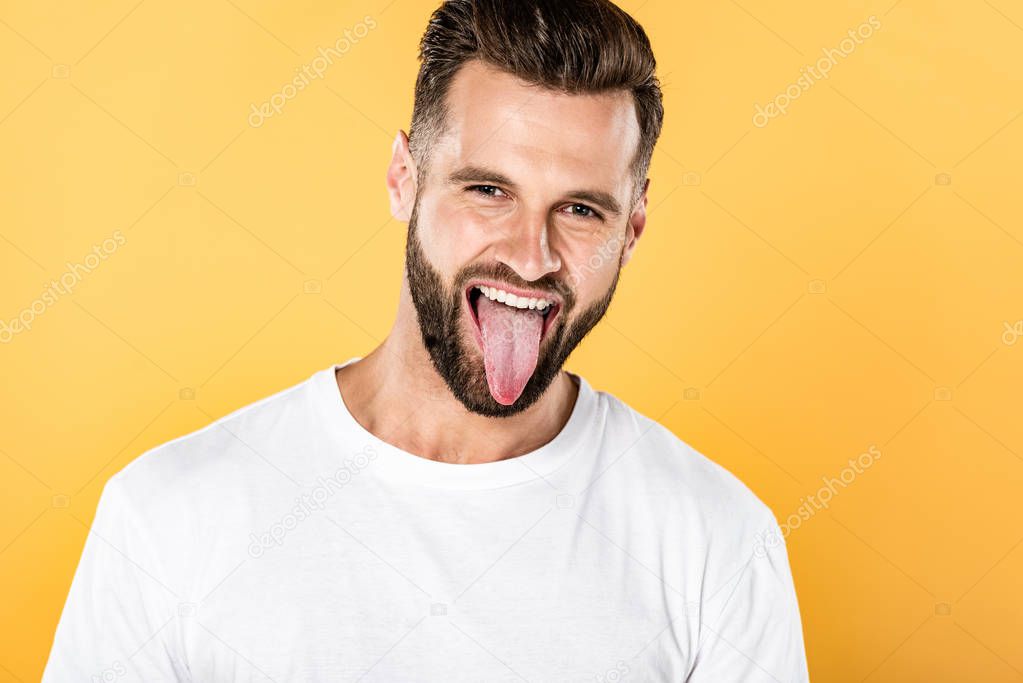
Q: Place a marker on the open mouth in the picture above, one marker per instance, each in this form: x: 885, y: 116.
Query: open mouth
x: 509, y: 326
x: 545, y: 307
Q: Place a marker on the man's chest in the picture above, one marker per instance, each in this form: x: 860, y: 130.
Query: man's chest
x: 545, y: 595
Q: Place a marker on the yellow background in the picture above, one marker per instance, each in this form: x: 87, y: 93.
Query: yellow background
x: 838, y: 279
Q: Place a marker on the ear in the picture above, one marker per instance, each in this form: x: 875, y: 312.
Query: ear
x: 402, y: 177
x: 637, y: 223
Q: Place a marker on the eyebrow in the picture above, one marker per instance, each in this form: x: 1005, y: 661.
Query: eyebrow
x: 478, y: 174
x: 602, y: 199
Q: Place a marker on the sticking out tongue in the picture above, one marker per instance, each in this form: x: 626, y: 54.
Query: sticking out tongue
x: 511, y: 343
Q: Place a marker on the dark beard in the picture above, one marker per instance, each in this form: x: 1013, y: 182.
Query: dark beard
x: 438, y: 311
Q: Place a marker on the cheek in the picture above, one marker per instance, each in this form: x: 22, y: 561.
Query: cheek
x: 591, y: 266
x: 451, y: 236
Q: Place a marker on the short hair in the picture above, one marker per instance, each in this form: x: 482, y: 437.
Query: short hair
x: 575, y: 46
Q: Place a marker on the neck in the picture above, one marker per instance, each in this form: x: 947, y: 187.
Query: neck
x: 396, y: 394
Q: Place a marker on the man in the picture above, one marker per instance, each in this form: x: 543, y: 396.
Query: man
x: 455, y: 506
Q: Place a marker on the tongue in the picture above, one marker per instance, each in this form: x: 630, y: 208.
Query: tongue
x: 511, y: 343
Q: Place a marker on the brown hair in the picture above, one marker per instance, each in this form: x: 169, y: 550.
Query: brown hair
x: 576, y: 46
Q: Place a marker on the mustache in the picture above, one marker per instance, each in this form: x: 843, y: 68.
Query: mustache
x: 502, y: 272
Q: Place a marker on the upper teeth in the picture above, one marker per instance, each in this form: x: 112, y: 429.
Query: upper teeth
x: 504, y: 297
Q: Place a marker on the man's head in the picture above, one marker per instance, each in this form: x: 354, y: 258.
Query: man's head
x: 525, y: 171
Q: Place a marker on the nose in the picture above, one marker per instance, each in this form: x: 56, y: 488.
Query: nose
x: 526, y: 248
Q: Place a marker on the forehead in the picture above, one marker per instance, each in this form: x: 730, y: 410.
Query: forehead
x: 497, y: 120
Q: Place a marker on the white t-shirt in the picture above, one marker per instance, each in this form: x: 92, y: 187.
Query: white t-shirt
x: 285, y: 542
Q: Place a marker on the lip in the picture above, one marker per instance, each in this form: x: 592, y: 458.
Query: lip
x: 556, y: 306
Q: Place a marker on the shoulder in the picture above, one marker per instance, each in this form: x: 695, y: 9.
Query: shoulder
x: 680, y: 478
x: 222, y: 455
x: 239, y: 466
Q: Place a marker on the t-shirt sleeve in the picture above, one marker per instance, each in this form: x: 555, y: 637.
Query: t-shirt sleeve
x: 750, y: 629
x: 120, y: 615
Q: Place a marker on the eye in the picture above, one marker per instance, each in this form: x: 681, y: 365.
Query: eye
x: 486, y: 190
x: 582, y: 211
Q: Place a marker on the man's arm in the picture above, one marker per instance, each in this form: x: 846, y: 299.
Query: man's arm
x: 119, y: 619
x: 751, y: 629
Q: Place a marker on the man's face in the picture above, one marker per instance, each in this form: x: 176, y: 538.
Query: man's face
x: 528, y: 192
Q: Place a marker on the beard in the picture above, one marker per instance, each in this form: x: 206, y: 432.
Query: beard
x: 457, y: 360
